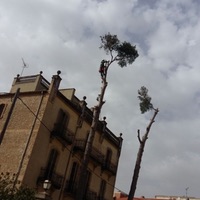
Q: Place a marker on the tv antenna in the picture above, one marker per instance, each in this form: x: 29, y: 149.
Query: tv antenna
x: 24, y: 66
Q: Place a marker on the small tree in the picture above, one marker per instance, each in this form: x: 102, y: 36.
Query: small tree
x: 10, y: 192
x: 145, y: 105
x: 122, y: 53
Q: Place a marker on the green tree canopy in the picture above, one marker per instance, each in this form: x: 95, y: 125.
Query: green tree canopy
x: 122, y: 52
x: 145, y: 100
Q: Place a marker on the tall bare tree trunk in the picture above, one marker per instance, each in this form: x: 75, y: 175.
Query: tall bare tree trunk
x: 139, y: 157
x: 124, y: 54
x: 88, y: 148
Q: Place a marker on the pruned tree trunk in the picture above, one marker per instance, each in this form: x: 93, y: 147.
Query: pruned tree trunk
x: 124, y: 54
x: 88, y: 148
x: 139, y: 156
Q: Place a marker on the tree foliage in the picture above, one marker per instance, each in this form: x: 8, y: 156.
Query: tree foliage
x: 122, y: 52
x: 145, y: 100
x: 10, y: 192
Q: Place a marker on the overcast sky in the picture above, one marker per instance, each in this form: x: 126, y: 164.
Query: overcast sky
x: 53, y: 35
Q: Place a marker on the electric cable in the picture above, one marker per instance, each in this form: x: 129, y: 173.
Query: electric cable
x: 71, y: 151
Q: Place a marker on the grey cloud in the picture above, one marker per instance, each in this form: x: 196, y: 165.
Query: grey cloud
x: 52, y: 35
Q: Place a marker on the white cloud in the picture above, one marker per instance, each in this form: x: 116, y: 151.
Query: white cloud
x: 52, y: 35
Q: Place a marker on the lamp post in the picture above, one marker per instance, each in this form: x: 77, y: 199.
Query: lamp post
x: 45, y: 195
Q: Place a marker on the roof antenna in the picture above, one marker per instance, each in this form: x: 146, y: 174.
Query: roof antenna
x: 24, y: 66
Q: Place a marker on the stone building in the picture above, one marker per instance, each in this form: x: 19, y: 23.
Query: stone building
x: 43, y: 133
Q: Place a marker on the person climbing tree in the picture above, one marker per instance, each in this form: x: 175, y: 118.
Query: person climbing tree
x: 102, y: 69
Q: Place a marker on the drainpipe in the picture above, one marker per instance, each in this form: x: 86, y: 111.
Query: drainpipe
x: 9, y: 115
x: 28, y: 141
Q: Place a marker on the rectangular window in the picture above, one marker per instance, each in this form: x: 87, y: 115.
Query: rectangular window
x: 2, y: 109
x: 62, y: 120
x: 87, y: 183
x: 102, y: 189
x: 71, y: 186
x: 51, y: 164
x: 108, y: 157
x: 60, y: 128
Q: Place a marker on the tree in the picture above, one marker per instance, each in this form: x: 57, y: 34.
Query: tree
x: 122, y: 53
x: 10, y: 192
x: 145, y: 105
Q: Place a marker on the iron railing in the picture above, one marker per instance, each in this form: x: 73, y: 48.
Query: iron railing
x: 55, y: 178
x: 64, y: 134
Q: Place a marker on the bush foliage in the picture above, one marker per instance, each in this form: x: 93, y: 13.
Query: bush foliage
x: 11, y: 191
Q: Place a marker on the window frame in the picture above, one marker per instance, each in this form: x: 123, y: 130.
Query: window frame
x: 2, y: 109
x: 51, y: 163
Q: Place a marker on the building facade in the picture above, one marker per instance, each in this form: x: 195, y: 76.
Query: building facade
x: 43, y: 133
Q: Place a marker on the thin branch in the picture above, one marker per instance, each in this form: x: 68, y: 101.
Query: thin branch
x: 152, y: 120
x: 139, y: 136
x: 111, y: 54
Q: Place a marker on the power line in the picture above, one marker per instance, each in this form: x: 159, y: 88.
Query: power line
x: 71, y: 151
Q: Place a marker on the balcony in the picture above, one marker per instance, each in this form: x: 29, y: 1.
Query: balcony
x: 56, y: 179
x: 110, y: 167
x: 71, y: 188
x: 64, y: 134
x: 79, y: 145
x: 96, y: 155
x: 90, y: 195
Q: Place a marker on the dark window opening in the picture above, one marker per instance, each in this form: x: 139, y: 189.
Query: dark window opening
x: 51, y: 164
x: 2, y: 109
x: 72, y: 183
x: 108, y: 157
x: 60, y: 128
x: 102, y: 190
x: 62, y: 120
x: 87, y: 183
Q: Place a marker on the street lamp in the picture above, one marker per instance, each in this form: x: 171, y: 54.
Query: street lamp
x: 47, y: 185
x: 45, y: 195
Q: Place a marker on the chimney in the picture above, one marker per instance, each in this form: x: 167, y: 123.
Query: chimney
x: 55, y: 82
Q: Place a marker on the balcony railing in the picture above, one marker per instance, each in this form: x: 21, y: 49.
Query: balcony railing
x: 80, y: 145
x: 96, y: 155
x: 64, y: 134
x: 90, y: 195
x: 110, y: 167
x: 71, y: 188
x: 56, y: 179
